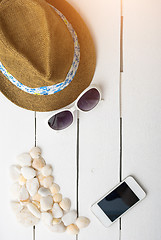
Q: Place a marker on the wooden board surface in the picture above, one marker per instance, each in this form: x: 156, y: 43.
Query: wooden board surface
x: 141, y: 113
x: 99, y: 129
x: 16, y: 136
x: 59, y: 150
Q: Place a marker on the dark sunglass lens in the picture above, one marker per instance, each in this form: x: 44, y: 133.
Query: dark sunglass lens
x: 89, y: 100
x: 61, y: 120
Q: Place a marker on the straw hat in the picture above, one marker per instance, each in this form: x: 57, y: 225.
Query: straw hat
x: 47, y: 55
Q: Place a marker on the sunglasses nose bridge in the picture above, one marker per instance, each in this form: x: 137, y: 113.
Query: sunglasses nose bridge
x: 73, y: 109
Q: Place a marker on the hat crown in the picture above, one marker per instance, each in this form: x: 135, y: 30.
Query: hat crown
x: 34, y: 37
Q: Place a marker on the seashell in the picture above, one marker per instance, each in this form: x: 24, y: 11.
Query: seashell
x: 82, y: 222
x: 36, y: 203
x: 28, y: 172
x: 15, y: 189
x: 23, y: 194
x: 38, y: 163
x: 22, y: 180
x: 16, y: 207
x: 26, y: 218
x: 35, y: 152
x: 46, y: 203
x: 65, y: 204
x: 72, y: 229
x: 44, y: 192
x: 24, y: 160
x: 34, y: 210
x: 47, y: 181
x: 40, y: 177
x: 57, y: 211
x: 25, y: 202
x: 46, y: 218
x: 15, y: 171
x: 46, y: 170
x: 56, y: 221
x: 54, y: 188
x: 32, y: 186
x: 36, y: 197
x: 69, y: 217
x: 57, y: 197
x: 59, y: 228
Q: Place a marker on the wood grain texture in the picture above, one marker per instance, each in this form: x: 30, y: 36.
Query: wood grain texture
x: 141, y: 111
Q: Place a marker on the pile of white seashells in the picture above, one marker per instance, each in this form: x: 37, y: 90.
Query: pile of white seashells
x: 35, y: 196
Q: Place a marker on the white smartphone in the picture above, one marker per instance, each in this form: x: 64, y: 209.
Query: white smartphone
x: 118, y: 201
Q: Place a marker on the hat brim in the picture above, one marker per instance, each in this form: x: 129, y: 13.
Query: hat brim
x: 81, y: 80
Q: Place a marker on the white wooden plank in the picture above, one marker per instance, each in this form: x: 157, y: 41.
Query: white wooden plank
x: 142, y: 115
x: 16, y: 136
x: 59, y: 150
x: 99, y: 129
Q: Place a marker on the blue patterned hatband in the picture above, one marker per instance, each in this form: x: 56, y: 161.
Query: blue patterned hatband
x: 47, y: 90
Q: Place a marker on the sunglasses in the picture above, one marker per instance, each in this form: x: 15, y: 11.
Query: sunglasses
x: 86, y: 101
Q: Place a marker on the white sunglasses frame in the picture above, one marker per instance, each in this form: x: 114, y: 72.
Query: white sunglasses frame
x: 74, y: 107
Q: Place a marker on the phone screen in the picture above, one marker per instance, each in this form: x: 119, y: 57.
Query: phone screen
x: 118, y: 201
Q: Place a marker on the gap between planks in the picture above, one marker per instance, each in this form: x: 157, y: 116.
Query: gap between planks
x: 120, y: 98
x: 35, y: 143
x: 120, y: 173
x: 77, y: 169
